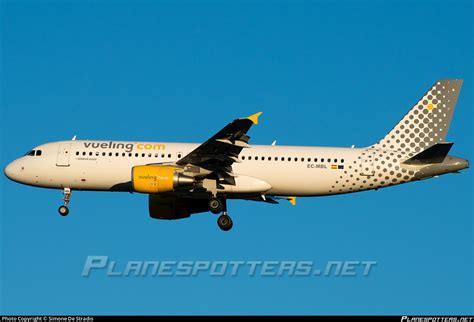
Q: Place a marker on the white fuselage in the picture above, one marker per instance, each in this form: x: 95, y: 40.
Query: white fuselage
x: 288, y: 170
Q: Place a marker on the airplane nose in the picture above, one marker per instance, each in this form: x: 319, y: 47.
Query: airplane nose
x: 10, y: 171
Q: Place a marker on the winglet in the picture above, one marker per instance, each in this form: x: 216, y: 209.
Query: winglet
x: 292, y: 200
x: 254, y: 117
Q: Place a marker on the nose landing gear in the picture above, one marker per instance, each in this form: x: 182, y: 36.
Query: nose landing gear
x: 64, y: 210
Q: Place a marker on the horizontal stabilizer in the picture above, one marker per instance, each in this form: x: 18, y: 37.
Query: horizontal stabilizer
x: 434, y: 154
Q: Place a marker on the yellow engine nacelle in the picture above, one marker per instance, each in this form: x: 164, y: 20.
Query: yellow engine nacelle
x: 156, y: 179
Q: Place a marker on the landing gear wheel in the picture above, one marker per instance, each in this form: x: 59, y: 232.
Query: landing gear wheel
x: 63, y: 210
x: 216, y: 206
x: 225, y: 222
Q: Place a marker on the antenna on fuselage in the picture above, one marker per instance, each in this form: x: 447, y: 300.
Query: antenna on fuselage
x: 74, y: 138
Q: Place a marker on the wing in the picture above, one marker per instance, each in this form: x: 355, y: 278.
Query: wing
x: 219, y: 152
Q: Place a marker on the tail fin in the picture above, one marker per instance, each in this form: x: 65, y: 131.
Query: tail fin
x: 427, y: 123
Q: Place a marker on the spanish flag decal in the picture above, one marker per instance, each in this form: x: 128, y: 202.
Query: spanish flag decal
x: 334, y: 166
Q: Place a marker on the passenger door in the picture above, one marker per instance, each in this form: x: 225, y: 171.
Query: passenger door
x: 64, y: 151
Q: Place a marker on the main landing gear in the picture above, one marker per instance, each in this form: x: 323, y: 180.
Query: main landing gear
x: 225, y: 222
x: 217, y: 206
x: 64, y: 210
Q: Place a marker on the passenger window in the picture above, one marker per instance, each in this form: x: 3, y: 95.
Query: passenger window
x: 302, y: 159
x: 289, y: 159
x: 143, y: 155
x: 136, y: 154
x: 282, y: 158
x: 149, y: 155
x: 262, y: 158
x: 269, y: 158
x: 129, y: 154
x: 110, y: 154
x: 169, y: 155
x: 276, y: 158
x: 315, y: 159
x: 97, y: 154
x: 243, y: 157
x: 84, y: 153
x: 322, y: 159
x: 296, y: 159
x: 179, y: 156
x: 123, y: 154
x: 116, y: 154
x: 103, y: 154
x: 77, y: 152
x: 90, y: 153
x: 342, y: 160
x: 335, y: 160
x: 329, y: 160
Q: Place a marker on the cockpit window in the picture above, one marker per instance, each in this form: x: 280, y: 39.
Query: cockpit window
x: 33, y: 153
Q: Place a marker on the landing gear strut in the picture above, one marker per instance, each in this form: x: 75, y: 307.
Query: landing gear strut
x: 64, y: 210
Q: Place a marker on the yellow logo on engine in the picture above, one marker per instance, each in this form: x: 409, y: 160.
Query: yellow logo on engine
x: 152, y: 179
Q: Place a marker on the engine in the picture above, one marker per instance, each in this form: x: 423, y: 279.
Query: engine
x: 156, y: 179
x: 172, y: 208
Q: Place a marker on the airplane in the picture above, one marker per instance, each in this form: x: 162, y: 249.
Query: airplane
x: 182, y: 179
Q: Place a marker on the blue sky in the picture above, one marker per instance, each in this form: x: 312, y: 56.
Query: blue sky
x: 332, y: 73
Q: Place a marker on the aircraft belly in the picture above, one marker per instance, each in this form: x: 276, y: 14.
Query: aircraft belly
x: 298, y: 180
x: 86, y: 175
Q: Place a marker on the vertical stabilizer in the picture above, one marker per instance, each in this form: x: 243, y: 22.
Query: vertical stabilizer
x: 427, y: 123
